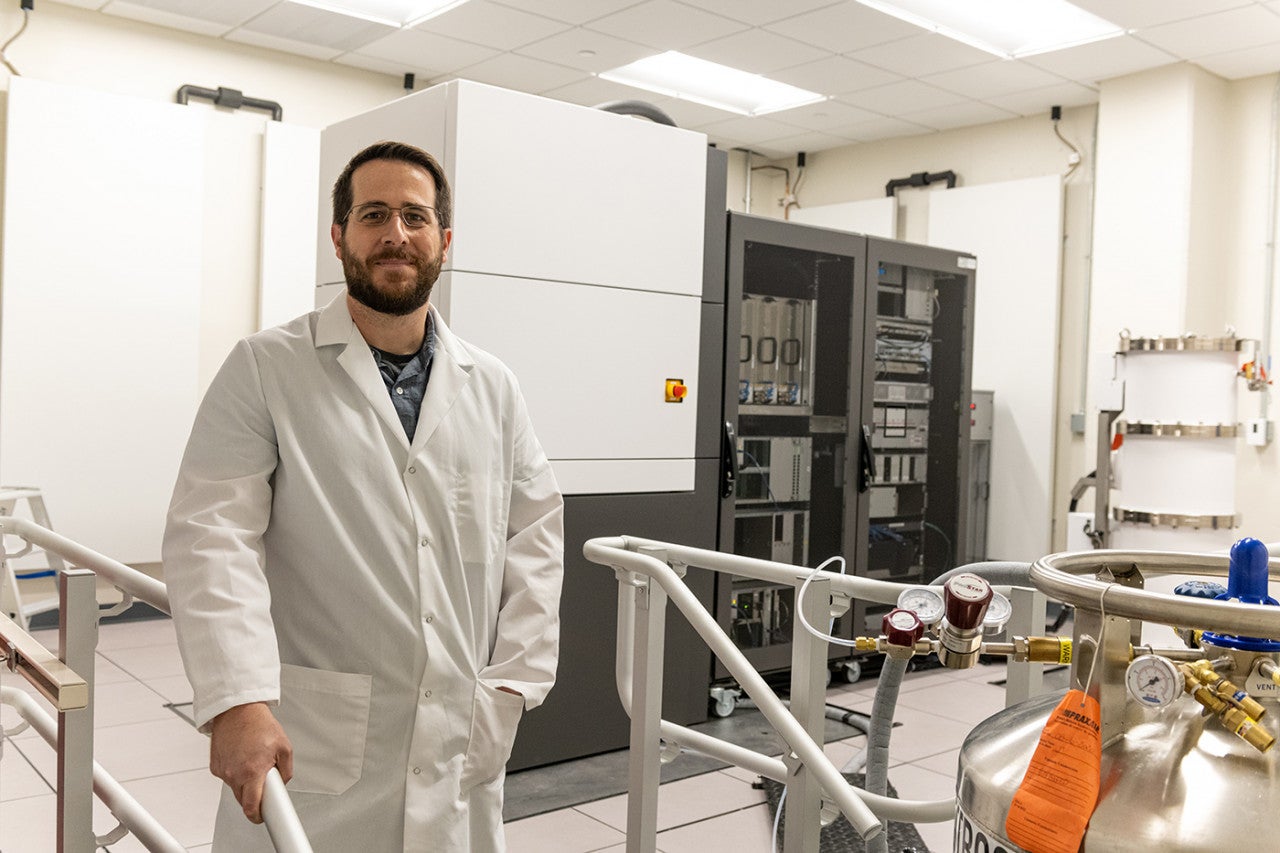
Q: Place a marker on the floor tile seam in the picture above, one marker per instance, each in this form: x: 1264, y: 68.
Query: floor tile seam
x: 39, y: 776
x: 733, y: 811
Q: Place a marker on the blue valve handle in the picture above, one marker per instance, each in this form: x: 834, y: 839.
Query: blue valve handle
x: 1247, y: 577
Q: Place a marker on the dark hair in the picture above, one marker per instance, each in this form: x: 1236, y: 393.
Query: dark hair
x: 342, y: 200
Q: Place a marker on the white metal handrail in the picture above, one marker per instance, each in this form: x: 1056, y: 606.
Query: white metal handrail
x: 624, y: 555
x: 278, y: 812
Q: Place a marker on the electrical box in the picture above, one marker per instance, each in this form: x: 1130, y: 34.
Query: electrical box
x: 577, y: 259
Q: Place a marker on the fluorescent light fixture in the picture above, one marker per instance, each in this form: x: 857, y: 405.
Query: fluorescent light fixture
x: 1009, y: 29
x: 710, y: 83
x: 392, y: 13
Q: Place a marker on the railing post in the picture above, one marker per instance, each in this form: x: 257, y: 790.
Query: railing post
x: 808, y: 706
x: 1025, y: 679
x: 645, y: 766
x: 77, y: 640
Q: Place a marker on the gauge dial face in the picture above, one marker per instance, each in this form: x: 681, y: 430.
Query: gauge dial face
x: 924, y: 602
x: 998, y: 613
x: 1154, y: 681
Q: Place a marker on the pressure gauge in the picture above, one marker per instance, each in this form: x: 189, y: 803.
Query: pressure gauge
x: 924, y: 602
x: 1154, y: 681
x: 999, y: 612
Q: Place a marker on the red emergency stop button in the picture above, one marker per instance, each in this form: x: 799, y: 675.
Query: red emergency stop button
x: 676, y: 390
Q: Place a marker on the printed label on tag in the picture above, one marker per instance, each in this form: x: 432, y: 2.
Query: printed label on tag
x: 1051, y: 810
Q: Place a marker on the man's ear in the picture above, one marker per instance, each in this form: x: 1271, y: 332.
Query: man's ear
x: 335, y: 232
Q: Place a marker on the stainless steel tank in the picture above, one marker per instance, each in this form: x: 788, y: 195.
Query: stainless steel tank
x: 1173, y: 779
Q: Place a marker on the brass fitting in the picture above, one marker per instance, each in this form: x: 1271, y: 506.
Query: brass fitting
x: 1229, y: 710
x: 1225, y: 690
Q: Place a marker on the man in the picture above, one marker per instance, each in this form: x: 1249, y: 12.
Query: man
x: 364, y: 549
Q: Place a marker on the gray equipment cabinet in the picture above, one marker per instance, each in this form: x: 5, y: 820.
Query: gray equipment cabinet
x: 847, y: 375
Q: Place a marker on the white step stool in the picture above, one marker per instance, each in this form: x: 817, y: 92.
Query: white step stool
x: 11, y: 600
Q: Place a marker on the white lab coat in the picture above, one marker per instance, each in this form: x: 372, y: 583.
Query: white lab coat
x: 379, y: 592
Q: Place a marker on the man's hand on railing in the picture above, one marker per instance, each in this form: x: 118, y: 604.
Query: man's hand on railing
x: 247, y: 742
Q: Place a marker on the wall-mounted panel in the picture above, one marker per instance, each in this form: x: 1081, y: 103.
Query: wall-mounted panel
x: 290, y: 222
x: 1015, y: 229
x: 99, y: 345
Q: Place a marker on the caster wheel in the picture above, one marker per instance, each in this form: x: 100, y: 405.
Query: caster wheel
x: 851, y: 671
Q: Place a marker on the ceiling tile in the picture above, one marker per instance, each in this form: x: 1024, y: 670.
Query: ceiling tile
x: 881, y: 128
x: 570, y: 11
x: 758, y: 12
x: 899, y: 98
x: 1238, y: 64
x: 999, y: 77
x: 1091, y: 64
x: 1136, y: 14
x: 1036, y: 101
x: 844, y: 27
x: 823, y: 115
x: 666, y: 25
x: 286, y: 45
x: 305, y: 25
x: 228, y: 12
x: 1236, y: 29
x: 491, y: 25
x: 751, y: 130
x: 835, y: 75
x: 592, y: 91
x: 810, y: 142
x: 585, y: 49
x: 928, y: 53
x: 161, y: 18
x: 759, y: 51
x: 958, y: 115
x: 521, y: 73
x: 421, y: 49
x: 1102, y: 60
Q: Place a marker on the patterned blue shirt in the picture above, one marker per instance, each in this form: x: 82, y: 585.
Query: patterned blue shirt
x: 406, y: 378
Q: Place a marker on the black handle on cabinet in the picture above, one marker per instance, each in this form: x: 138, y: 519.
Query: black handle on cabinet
x: 728, y: 461
x: 867, y: 474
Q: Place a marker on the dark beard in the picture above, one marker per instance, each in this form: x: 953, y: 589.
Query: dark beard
x: 361, y: 287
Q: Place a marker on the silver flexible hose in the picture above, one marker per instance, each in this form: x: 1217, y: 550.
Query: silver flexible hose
x: 882, y: 709
x: 996, y: 573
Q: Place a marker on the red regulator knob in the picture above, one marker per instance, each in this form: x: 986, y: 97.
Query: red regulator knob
x: 902, y: 627
x: 966, y: 597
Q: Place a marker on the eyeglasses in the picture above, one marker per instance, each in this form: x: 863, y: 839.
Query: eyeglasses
x: 375, y: 214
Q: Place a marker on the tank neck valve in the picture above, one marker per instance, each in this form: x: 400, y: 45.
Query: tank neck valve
x: 1247, y: 583
x: 966, y: 598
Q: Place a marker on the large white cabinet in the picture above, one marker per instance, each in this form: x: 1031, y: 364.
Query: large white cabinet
x: 577, y: 259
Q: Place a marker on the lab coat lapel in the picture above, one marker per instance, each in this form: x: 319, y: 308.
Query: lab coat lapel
x: 335, y: 326
x: 450, y: 372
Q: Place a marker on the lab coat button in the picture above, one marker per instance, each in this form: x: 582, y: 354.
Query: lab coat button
x: 427, y: 694
x: 412, y: 470
x: 429, y: 618
x: 425, y: 542
x: 417, y: 771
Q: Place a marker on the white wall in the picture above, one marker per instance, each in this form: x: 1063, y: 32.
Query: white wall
x: 88, y: 49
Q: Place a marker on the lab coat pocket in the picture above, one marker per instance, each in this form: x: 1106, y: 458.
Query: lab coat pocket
x: 495, y: 714
x: 326, y: 716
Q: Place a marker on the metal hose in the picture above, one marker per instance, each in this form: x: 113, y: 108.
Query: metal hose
x: 882, y: 709
x: 994, y: 572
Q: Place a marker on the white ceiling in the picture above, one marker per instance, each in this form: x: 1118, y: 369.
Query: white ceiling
x: 885, y: 77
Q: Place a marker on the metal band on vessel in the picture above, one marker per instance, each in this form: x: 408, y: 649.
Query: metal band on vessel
x: 1174, y: 519
x: 1177, y: 429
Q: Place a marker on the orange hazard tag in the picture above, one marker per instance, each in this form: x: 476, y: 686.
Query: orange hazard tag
x: 1051, y: 810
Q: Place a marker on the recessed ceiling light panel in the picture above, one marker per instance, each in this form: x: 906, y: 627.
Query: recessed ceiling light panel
x: 680, y: 76
x: 394, y: 13
x: 1007, y: 28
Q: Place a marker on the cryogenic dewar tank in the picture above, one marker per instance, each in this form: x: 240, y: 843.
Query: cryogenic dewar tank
x: 1186, y: 732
